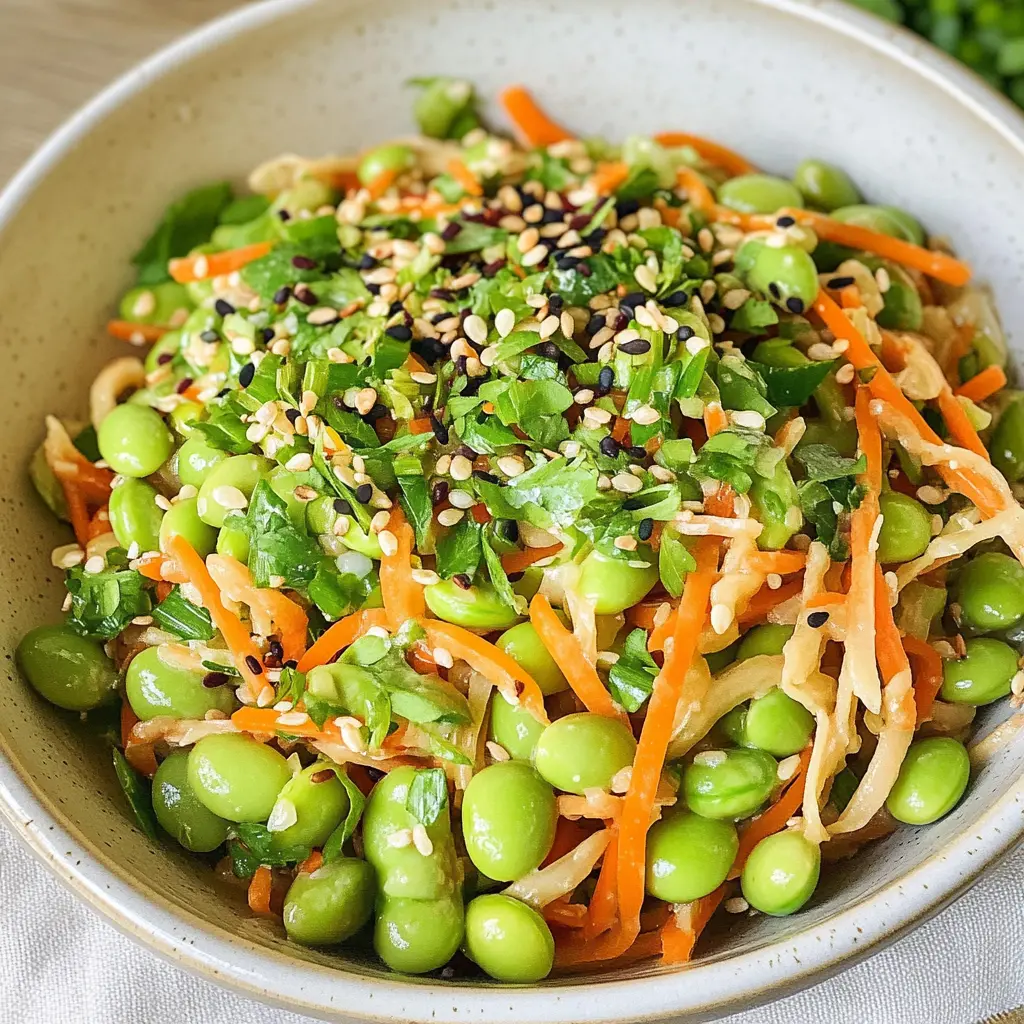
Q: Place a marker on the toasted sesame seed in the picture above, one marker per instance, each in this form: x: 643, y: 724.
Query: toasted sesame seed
x: 528, y: 239
x: 321, y: 316
x: 820, y: 352
x: 388, y: 542
x: 305, y: 493
x: 584, y: 396
x: 421, y: 840
x: 646, y: 415
x: 400, y: 838
x: 567, y: 323
x: 475, y: 328
x: 161, y: 502
x: 293, y: 718
x: 597, y: 415
x: 380, y: 521
x: 511, y: 465
x: 425, y: 577
x: 366, y: 399
x: 505, y: 322
x: 931, y: 495
x: 535, y: 256
x: 625, y: 542
x: 646, y: 278
x: 229, y: 497
x: 461, y: 468
x: 450, y: 516
x: 497, y: 751
x: 464, y: 281
x: 1017, y: 684
x: 845, y: 374
x: 736, y: 905
x: 735, y: 297
x: 548, y: 326
x: 627, y: 483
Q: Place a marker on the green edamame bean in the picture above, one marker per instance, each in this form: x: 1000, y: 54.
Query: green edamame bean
x: 1007, y: 445
x: 394, y: 157
x: 932, y: 778
x: 584, y: 751
x: 182, y: 520
x: 982, y: 675
x: 69, y: 670
x: 184, y: 416
x: 236, y: 777
x: 195, y: 459
x: 729, y: 784
x: 156, y: 686
x: 842, y: 436
x: 990, y: 592
x: 824, y: 185
x: 508, y: 820
x: 134, y: 440
x: 479, y: 607
x: 902, y: 309
x: 514, y: 728
x: 787, y: 274
x: 306, y: 195
x: 906, y: 527
x: 315, y: 802
x: 767, y: 639
x: 135, y: 516
x: 168, y: 345
x: 233, y: 542
x: 508, y: 940
x: 47, y: 485
x: 732, y: 725
x: 718, y: 660
x: 416, y: 936
x: 240, y: 472
x: 525, y: 647
x: 283, y: 483
x: 444, y: 108
x: 688, y: 856
x: 759, y: 193
x: 781, y: 873
x: 165, y: 304
x: 179, y: 811
x: 612, y: 584
x: 321, y: 515
x: 887, y: 220
x: 777, y: 724
x: 331, y: 904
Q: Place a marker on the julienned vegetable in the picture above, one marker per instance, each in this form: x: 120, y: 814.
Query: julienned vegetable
x: 506, y: 537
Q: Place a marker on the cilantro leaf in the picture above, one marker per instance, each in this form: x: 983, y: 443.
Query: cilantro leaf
x: 334, y: 847
x: 472, y: 237
x: 674, y: 562
x: 459, y: 551
x: 177, y: 615
x: 269, y: 273
x: 103, y: 603
x: 428, y: 795
x: 499, y: 580
x: 252, y: 845
x: 631, y: 678
x: 792, y: 386
x: 742, y: 387
x: 753, y: 317
x: 823, y: 462
x: 551, y: 493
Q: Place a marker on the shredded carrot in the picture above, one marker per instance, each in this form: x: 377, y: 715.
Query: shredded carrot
x: 620, y: 429
x: 214, y: 264
x: 714, y: 418
x: 601, y: 910
x: 465, y: 177
x: 135, y: 333
x: 517, y: 561
x: 236, y: 635
x: 678, y: 939
x: 722, y: 502
x: 565, y: 649
x: 531, y: 123
x: 849, y: 297
x: 889, y: 651
x: 824, y: 600
x: 609, y: 176
x: 403, y: 596
x: 568, y: 835
x: 421, y: 425
x: 259, y: 891
x: 960, y: 427
x: 311, y: 863
x: 697, y: 192
x: 139, y: 755
x: 382, y: 183
x: 766, y: 599
x: 479, y: 513
x: 515, y: 684
x: 264, y: 721
x: 152, y: 567
x: 565, y: 914
x: 713, y: 152
x: 983, y: 385
x: 783, y: 563
x: 163, y: 590
x: 344, y: 632
x: 869, y: 438
x: 927, y: 665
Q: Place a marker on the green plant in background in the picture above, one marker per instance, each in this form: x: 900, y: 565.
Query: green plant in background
x: 987, y: 35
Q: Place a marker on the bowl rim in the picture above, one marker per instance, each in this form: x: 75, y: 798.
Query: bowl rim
x: 717, y: 986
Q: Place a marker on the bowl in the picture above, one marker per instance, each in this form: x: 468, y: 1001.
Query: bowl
x: 778, y: 80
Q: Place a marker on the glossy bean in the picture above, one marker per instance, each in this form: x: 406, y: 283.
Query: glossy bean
x: 824, y: 185
x: 165, y: 304
x: 158, y: 687
x: 135, y: 516
x: 308, y: 809
x: 236, y: 777
x: 688, y: 856
x: 778, y: 724
x: 886, y: 220
x: 612, y: 584
x: 513, y: 728
x: 508, y: 940
x: 525, y: 647
x: 479, y: 607
x: 444, y: 108
x: 179, y: 811
x: 902, y: 309
x: 69, y: 670
x: 584, y: 751
x: 182, y: 520
x: 1007, y: 444
x: 393, y: 157
x: 766, y: 639
x: 983, y: 675
x: 906, y: 528
x: 195, y: 459
x: 184, y: 416
x: 759, y: 193
x: 729, y: 784
x: 781, y: 873
x: 786, y: 274
x: 416, y: 936
x: 932, y: 778
x: 237, y: 473
x: 990, y: 592
x: 134, y: 440
x: 331, y: 904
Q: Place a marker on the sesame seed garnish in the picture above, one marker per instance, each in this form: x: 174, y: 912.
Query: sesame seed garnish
x: 229, y: 497
x: 646, y: 529
x: 626, y: 483
x: 450, y: 516
x: 817, y: 619
x: 461, y: 468
x: 645, y: 415
x: 363, y: 493
x: 736, y: 905
x: 253, y: 664
x: 388, y: 542
x: 322, y: 315
x: 475, y: 328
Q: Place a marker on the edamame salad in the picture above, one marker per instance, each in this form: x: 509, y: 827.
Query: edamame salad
x: 517, y: 554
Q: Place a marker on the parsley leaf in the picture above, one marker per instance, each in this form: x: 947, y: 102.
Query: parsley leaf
x: 499, y: 580
x: 742, y: 387
x: 177, y: 615
x: 103, y: 603
x: 535, y: 405
x: 459, y: 550
x: 674, y: 562
x: 428, y: 795
x: 631, y: 678
x: 792, y: 386
x: 551, y: 493
x: 754, y: 316
x: 252, y: 845
x: 823, y: 462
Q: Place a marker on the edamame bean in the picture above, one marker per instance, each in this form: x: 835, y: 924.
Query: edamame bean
x: 184, y: 416
x: 168, y: 345
x: 759, y: 193
x: 990, y: 592
x: 1007, y: 445
x: 134, y: 440
x: 165, y: 304
x: 777, y: 724
x: 444, y: 108
x: 525, y: 647
x: 688, y: 856
x: 237, y: 473
x: 47, y: 485
x: 787, y: 274
x: 776, y: 505
x: 902, y: 309
x: 416, y: 936
x: 69, y: 670
x: 331, y: 904
x: 983, y: 675
x: 612, y: 584
x: 906, y: 527
x: 314, y: 802
x: 135, y: 516
x: 182, y: 520
x: 508, y: 820
x: 513, y: 728
x: 157, y: 686
x: 887, y: 220
x: 233, y: 542
x: 824, y: 185
x: 766, y: 639
x: 283, y: 483
x: 932, y: 778
x: 479, y: 607
x: 236, y: 777
x: 584, y: 751
x: 718, y: 660
x: 393, y: 157
x: 195, y: 459
x: 781, y: 873
x: 178, y: 808
x: 729, y: 784
x: 508, y: 940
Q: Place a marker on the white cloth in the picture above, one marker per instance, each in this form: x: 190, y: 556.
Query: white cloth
x: 61, y: 963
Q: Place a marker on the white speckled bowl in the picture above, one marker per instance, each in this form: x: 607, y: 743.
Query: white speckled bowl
x: 778, y: 80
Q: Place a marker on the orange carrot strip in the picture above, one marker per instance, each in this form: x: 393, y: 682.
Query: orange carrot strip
x: 609, y: 176
x: 531, y: 123
x: 150, y: 567
x: 565, y: 649
x: 824, y: 600
x: 465, y: 177
x: 983, y: 385
x: 960, y: 427
x: 714, y: 418
x: 722, y: 502
x: 713, y: 152
x: 382, y: 183
x: 601, y: 911
x: 344, y: 632
x: 265, y: 721
x: 311, y: 863
x: 421, y: 425
x: 766, y: 599
x: 213, y: 264
x: 479, y: 513
x: 781, y: 562
x: 620, y: 429
x: 892, y: 658
x: 516, y: 685
x: 697, y: 192
x: 849, y: 297
x: 135, y: 333
x: 869, y: 438
x: 235, y: 634
x: 517, y: 561
x: 678, y: 939
x: 259, y: 891
x: 403, y: 596
x: 927, y: 666
x: 139, y: 755
x: 565, y: 914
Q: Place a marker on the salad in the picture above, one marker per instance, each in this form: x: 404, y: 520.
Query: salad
x: 518, y: 554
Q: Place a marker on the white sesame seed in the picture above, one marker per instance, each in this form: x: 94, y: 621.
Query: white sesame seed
x: 662, y: 475
x: 735, y: 297
x: 145, y: 304
x: 505, y: 322
x: 299, y: 463
x: 293, y: 718
x: 256, y: 432
x: 388, y: 542
x: 266, y: 697
x: 421, y: 377
x: 787, y: 767
x: 400, y: 838
x: 443, y: 657
x: 475, y: 328
x: 511, y: 465
x: 773, y: 580
x: 322, y: 315
x: 845, y: 374
x: 721, y: 618
x: 201, y: 268
x: 747, y: 418
x: 626, y: 483
x: 548, y: 326
x: 161, y: 502
x: 421, y: 841
x: 497, y: 751
x: 442, y: 465
x: 379, y: 521
x: 424, y: 577
x: 1017, y: 684
x: 597, y: 416
x: 696, y: 345
x: 584, y: 396
x: 229, y: 497
x: 450, y: 516
x: 736, y: 905
x: 820, y: 352
x: 536, y: 255
x: 931, y: 495
x: 67, y: 555
x: 461, y: 468
x: 567, y: 323
x: 366, y: 398
x: 528, y: 239
x: 716, y: 323
x: 645, y: 415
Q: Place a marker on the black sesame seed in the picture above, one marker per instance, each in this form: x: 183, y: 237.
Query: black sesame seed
x: 555, y: 303
x: 440, y: 430
x: 342, y: 507
x: 785, y: 221
x: 292, y: 415
x: 223, y: 307
x: 515, y: 577
x: 366, y: 263
x: 290, y: 663
x: 223, y: 392
x: 254, y: 664
x: 594, y: 324
x: 684, y: 333
x: 512, y: 530
x: 444, y: 295
x: 551, y: 216
x: 214, y: 679
x: 373, y: 289
x: 840, y: 282
x: 548, y: 349
x: 305, y: 296
x: 209, y: 337
x: 638, y: 451
x: 375, y: 774
x: 399, y: 332
x: 460, y: 366
x: 817, y: 619
x: 164, y: 358
x: 594, y: 239
x: 397, y: 307
x: 377, y: 411
x: 675, y: 299
x: 246, y: 374
x: 284, y: 215
x: 645, y: 529
x: 625, y: 207
x: 609, y: 446
x: 303, y: 263
x: 635, y: 348
x: 795, y: 305
x: 439, y: 492
x: 363, y: 493
x: 606, y: 378
x: 567, y: 262
x: 183, y: 385
x: 451, y: 231
x: 275, y: 650
x: 462, y: 580
x: 632, y: 300
x: 267, y: 334
x: 282, y: 295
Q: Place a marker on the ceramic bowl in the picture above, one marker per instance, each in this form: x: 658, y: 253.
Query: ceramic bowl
x: 777, y: 80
